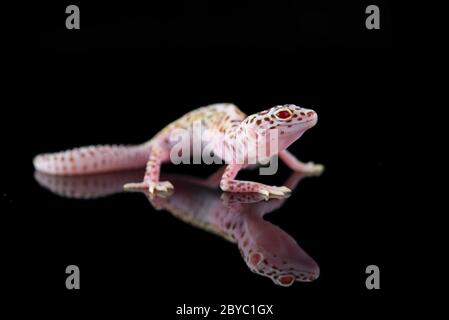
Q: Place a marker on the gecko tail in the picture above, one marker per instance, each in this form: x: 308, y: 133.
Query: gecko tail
x: 93, y: 159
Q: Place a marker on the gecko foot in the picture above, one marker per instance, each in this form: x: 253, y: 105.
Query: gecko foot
x: 275, y: 192
x: 161, y: 188
x: 312, y: 169
x: 135, y: 186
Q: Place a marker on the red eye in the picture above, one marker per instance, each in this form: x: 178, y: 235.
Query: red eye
x: 284, y: 114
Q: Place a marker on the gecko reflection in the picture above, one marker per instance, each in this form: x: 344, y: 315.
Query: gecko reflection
x: 238, y: 217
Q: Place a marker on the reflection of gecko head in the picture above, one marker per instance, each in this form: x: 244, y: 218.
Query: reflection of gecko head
x: 271, y: 252
x: 267, y: 249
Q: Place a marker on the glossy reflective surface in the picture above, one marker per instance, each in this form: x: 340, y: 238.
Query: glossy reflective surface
x: 238, y: 217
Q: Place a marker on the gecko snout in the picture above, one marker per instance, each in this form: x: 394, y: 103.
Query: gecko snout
x: 307, y: 115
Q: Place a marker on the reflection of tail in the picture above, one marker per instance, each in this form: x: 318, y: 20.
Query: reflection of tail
x: 93, y: 159
x: 89, y: 186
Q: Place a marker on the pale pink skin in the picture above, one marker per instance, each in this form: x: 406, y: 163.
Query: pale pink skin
x: 225, y: 126
x: 238, y: 217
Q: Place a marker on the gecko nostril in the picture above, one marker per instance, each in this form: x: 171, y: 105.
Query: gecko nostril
x: 310, y: 113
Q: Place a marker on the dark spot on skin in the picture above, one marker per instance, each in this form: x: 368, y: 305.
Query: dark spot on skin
x: 299, y: 119
x: 266, y: 119
x: 254, y: 259
x: 302, y: 113
x: 258, y: 122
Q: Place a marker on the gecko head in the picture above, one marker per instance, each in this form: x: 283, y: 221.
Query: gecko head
x: 288, y: 121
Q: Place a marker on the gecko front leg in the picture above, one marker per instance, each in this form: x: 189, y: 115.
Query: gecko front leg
x: 151, y: 179
x: 293, y: 163
x: 229, y: 184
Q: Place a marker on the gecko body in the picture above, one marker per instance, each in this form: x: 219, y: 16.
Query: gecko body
x: 225, y: 130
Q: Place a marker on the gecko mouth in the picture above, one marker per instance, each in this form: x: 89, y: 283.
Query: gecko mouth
x: 284, y: 125
x: 315, y: 120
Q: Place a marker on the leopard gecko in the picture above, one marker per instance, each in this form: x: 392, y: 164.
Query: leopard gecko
x: 228, y: 130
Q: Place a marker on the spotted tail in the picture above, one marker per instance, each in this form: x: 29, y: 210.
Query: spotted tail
x: 93, y: 159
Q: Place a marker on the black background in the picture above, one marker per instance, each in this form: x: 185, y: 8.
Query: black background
x: 131, y: 69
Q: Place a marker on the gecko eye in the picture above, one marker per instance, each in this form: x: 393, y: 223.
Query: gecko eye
x: 287, y: 280
x: 284, y: 114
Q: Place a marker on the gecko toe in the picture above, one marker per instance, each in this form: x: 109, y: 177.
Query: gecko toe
x: 314, y: 169
x: 265, y: 194
x: 135, y: 186
x: 161, y: 189
x: 279, y: 192
x: 285, y: 189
